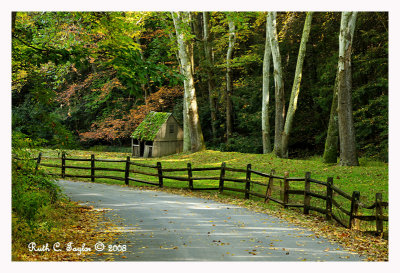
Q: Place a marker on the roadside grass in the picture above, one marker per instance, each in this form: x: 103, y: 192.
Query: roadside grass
x: 368, y: 178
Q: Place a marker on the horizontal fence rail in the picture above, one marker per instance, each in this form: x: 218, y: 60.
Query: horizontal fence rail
x: 272, y: 183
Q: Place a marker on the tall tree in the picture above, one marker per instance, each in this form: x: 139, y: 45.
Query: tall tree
x: 347, y: 138
x: 210, y: 71
x: 185, y: 120
x: 265, y: 95
x: 332, y: 137
x: 229, y: 89
x: 296, y: 86
x: 181, y: 23
x: 143, y: 85
x: 278, y: 79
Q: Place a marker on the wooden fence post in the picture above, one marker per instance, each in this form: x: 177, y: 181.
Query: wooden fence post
x: 190, y: 175
x: 379, y: 213
x: 160, y: 175
x: 285, y: 190
x: 127, y: 166
x: 268, y: 192
x: 221, y: 177
x: 354, y: 207
x: 329, y: 193
x: 63, y: 165
x: 92, y: 167
x: 38, y: 161
x: 248, y: 177
x: 307, y: 197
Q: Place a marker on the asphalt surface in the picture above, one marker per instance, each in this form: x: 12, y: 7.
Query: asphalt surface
x: 158, y: 226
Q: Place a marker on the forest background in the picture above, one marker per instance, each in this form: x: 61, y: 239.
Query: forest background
x: 83, y: 79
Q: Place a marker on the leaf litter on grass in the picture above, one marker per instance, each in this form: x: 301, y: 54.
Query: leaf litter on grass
x: 85, y: 232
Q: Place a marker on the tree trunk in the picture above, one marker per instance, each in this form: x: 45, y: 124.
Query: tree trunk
x: 332, y: 138
x: 143, y: 85
x: 265, y: 96
x: 186, y: 133
x: 296, y: 86
x: 229, y: 89
x: 210, y: 72
x: 348, y: 153
x: 278, y: 79
x: 181, y: 20
x: 198, y: 32
x: 190, y: 44
x: 187, y: 144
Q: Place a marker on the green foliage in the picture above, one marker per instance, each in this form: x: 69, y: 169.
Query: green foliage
x: 370, y: 78
x: 32, y: 117
x: 104, y: 72
x: 31, y: 189
x: 242, y: 144
x: 77, y: 72
x: 371, y: 124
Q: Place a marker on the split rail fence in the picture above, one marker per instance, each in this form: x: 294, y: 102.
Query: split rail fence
x: 290, y: 192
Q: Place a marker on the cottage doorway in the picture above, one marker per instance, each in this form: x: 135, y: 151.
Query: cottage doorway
x: 141, y: 144
x: 148, y: 149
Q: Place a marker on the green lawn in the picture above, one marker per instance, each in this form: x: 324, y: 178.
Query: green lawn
x: 368, y: 178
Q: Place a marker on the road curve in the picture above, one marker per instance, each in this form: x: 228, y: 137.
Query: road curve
x: 158, y: 226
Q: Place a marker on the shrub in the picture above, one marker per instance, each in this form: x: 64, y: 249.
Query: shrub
x: 31, y: 189
x: 242, y: 144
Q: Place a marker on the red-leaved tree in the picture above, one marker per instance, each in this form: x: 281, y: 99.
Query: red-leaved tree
x: 112, y: 128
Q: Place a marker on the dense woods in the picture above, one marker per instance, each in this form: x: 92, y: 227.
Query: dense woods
x: 234, y: 80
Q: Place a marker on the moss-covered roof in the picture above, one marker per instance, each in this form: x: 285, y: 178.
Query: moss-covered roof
x: 149, y: 127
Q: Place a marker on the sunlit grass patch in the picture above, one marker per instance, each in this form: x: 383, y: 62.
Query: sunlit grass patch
x: 368, y: 178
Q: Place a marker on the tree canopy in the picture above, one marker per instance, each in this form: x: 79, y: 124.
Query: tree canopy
x: 86, y: 78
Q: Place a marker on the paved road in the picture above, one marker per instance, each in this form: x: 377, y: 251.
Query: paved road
x: 158, y: 226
